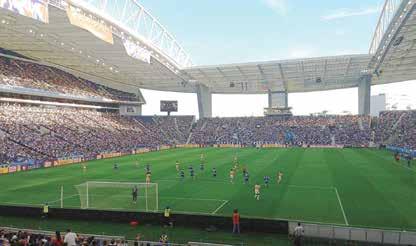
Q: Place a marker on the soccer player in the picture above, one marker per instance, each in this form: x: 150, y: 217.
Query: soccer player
x: 148, y: 177
x: 244, y: 169
x: 202, y: 166
x: 246, y: 177
x: 266, y: 180
x: 148, y: 168
x: 182, y: 174
x: 279, y: 177
x: 257, y: 191
x: 191, y: 172
x: 232, y: 174
x: 397, y: 156
x: 409, y: 159
x: 236, y: 166
x: 214, y: 172
x: 177, y: 166
x: 115, y: 167
x: 134, y: 194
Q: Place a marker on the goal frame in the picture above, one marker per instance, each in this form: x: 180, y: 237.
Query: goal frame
x: 140, y: 184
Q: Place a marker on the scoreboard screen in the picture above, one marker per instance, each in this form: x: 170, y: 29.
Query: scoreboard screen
x: 168, y: 106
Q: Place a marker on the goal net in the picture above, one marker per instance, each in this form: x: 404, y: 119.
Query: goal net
x: 118, y: 196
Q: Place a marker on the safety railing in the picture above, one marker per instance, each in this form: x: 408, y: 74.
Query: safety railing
x: 353, y: 234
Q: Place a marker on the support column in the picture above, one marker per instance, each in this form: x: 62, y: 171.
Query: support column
x: 204, y: 101
x: 278, y: 99
x: 364, y: 95
x: 133, y: 108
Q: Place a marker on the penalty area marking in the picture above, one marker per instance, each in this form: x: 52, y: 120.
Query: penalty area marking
x: 221, y: 206
x: 340, y: 204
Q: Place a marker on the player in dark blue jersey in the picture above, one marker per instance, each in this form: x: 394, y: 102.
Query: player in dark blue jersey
x: 148, y: 168
x: 191, y: 172
x: 182, y: 174
x: 266, y: 180
x: 214, y: 172
x: 246, y: 178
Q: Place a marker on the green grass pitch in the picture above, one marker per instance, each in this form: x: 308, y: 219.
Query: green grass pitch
x: 356, y: 187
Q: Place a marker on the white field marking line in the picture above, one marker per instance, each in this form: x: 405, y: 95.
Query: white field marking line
x: 221, y: 206
x: 65, y: 197
x: 311, y: 187
x: 23, y: 204
x: 161, y: 197
x: 340, y: 204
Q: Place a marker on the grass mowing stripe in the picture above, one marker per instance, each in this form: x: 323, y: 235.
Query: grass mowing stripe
x: 340, y: 204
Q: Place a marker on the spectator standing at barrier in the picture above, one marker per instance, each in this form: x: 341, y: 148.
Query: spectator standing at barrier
x: 45, y: 210
x: 298, y: 233
x: 167, y: 217
x: 70, y: 238
x: 236, y: 221
x: 164, y: 239
x: 57, y: 240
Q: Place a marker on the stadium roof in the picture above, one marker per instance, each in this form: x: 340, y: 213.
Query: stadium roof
x: 62, y: 44
x: 297, y: 75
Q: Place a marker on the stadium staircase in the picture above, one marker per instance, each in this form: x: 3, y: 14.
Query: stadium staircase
x: 393, y: 134
x: 360, y: 124
x: 188, y: 140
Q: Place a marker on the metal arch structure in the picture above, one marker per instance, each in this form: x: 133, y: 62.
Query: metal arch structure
x: 131, y: 16
x: 394, y: 58
x: 387, y: 13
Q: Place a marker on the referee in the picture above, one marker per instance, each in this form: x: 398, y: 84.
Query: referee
x: 134, y: 194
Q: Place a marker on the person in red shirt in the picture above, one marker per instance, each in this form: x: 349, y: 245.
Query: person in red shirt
x: 236, y: 222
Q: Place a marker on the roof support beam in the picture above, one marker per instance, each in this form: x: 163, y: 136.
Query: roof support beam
x: 282, y: 75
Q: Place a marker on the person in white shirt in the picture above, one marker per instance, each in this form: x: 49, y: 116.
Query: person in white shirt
x: 70, y: 238
x: 298, y: 233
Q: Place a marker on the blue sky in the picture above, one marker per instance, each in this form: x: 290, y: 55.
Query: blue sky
x: 232, y: 31
x: 229, y: 31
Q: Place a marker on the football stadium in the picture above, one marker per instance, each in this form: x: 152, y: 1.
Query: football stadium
x: 84, y: 162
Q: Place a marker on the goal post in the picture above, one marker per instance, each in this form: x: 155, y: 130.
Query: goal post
x: 118, y: 196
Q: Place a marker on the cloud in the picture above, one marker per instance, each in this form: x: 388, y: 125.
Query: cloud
x: 345, y: 13
x: 278, y: 6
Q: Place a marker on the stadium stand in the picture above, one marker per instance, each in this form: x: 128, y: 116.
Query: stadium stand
x: 22, y: 74
x: 33, y: 134
x: 306, y: 130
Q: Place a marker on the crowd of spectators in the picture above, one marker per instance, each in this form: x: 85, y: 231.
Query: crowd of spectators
x: 42, y: 133
x: 69, y: 238
x: 37, y: 133
x: 18, y: 73
x: 308, y: 130
x: 397, y: 128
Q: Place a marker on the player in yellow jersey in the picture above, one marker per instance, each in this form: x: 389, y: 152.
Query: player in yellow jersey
x: 279, y: 177
x: 148, y: 177
x: 257, y: 191
x: 177, y: 166
x: 232, y: 175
